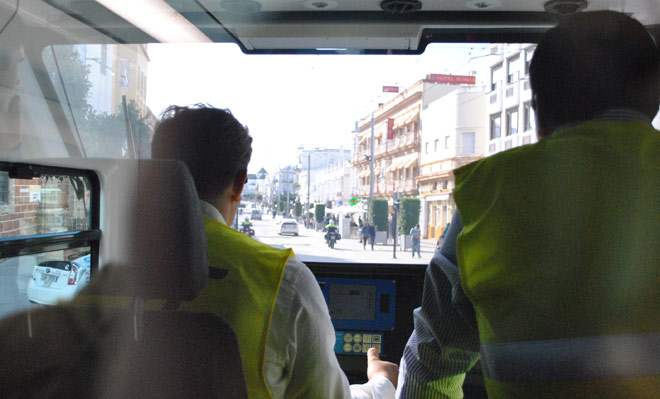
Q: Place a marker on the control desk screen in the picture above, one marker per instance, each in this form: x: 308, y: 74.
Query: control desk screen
x: 361, y: 311
x: 352, y: 302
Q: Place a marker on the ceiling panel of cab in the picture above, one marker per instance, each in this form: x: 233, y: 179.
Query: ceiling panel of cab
x: 343, y: 25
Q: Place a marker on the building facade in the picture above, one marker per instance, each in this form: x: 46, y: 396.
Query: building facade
x: 453, y: 134
x: 511, y: 119
x: 396, y: 143
x: 325, y: 176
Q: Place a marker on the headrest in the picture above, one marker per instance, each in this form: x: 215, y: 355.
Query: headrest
x: 168, y: 251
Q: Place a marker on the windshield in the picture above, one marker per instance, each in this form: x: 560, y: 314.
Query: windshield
x: 365, y: 142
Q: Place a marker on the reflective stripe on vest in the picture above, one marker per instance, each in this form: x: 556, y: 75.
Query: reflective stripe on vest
x: 632, y: 355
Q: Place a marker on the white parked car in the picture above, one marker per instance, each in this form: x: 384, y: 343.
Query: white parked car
x: 289, y: 226
x: 58, y: 280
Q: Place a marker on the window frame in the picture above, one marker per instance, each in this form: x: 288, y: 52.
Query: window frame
x: 28, y: 245
x: 495, y: 133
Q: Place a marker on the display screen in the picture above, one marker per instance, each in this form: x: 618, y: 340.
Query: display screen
x: 352, y: 302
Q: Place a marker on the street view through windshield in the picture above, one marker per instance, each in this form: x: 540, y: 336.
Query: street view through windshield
x: 366, y: 144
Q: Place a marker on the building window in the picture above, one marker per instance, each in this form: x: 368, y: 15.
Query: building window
x: 528, y: 60
x: 426, y: 148
x: 512, y: 70
x: 528, y: 117
x: 445, y: 184
x: 436, y: 145
x: 495, y: 77
x: 446, y: 142
x: 103, y: 64
x: 495, y: 125
x: 468, y: 143
x: 512, y: 121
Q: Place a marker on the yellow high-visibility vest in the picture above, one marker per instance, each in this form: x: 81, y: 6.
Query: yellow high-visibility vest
x: 560, y: 256
x: 245, y: 297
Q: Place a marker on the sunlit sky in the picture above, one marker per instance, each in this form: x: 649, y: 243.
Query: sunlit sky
x: 289, y: 101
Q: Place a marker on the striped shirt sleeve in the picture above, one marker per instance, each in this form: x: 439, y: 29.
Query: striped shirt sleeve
x: 445, y: 343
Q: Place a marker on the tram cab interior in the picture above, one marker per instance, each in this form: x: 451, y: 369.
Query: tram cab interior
x: 75, y: 169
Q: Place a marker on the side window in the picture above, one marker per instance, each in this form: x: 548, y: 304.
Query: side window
x: 4, y: 188
x: 49, y: 235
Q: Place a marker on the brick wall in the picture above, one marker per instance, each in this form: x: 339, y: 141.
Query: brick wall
x: 19, y: 217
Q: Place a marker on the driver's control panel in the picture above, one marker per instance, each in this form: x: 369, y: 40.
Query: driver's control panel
x: 361, y: 311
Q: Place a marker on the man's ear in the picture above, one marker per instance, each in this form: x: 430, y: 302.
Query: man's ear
x: 237, y: 186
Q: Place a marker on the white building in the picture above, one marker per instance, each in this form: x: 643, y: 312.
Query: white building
x: 511, y: 119
x: 287, y: 181
x: 325, y: 176
x: 453, y: 134
x: 250, y: 188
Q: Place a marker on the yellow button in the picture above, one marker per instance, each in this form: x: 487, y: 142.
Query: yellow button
x: 357, y: 338
x: 348, y: 348
x: 365, y: 348
x: 375, y: 339
x: 377, y: 346
x: 357, y: 347
x: 366, y: 338
x: 348, y: 337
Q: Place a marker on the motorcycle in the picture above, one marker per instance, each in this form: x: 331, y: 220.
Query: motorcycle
x: 331, y: 238
x: 247, y: 229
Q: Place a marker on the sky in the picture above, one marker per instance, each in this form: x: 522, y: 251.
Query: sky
x: 289, y: 101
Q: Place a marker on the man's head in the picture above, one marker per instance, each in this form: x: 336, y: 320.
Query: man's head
x: 211, y: 142
x: 590, y: 62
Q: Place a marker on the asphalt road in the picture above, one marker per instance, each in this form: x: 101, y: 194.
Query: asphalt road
x: 310, y: 245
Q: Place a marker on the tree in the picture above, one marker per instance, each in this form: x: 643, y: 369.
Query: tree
x: 102, y: 134
x: 378, y: 213
x: 319, y: 212
x: 408, y: 215
x: 298, y: 209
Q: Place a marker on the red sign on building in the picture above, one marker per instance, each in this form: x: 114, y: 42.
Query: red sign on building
x: 390, y: 89
x: 390, y: 128
x: 452, y: 79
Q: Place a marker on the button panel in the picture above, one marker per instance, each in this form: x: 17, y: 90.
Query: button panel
x: 357, y: 342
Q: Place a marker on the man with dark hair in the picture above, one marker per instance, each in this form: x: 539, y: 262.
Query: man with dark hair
x: 553, y: 280
x: 270, y: 298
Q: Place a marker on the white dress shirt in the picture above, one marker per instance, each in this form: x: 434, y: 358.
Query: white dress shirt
x: 300, y: 358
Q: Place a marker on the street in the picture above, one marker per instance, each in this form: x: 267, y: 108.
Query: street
x: 310, y: 246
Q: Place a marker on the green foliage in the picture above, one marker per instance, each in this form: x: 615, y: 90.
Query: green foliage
x: 408, y: 214
x: 378, y: 213
x: 282, y: 206
x: 319, y: 212
x: 102, y: 134
x: 298, y: 209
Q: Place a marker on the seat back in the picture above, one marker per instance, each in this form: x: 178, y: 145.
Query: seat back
x: 107, y: 343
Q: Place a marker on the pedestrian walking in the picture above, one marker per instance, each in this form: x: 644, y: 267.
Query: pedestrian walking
x: 416, y: 234
x: 364, y: 237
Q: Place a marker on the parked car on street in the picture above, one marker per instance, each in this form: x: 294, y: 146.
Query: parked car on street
x: 255, y: 214
x: 289, y: 226
x: 58, y: 280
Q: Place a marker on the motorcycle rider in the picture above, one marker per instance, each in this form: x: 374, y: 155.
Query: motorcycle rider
x: 330, y: 228
x: 247, y: 225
